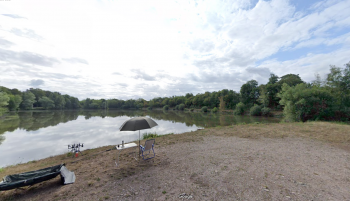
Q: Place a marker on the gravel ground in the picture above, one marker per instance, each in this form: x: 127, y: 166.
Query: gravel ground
x: 212, y: 164
x: 231, y: 168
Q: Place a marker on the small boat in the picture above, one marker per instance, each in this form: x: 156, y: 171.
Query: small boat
x: 33, y: 177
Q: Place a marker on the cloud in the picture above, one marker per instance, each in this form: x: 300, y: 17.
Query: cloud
x: 201, y: 45
x: 26, y: 57
x: 28, y: 33
x: 75, y: 60
x: 5, y: 43
x: 116, y: 73
x: 263, y: 72
x: 36, y: 83
x: 13, y: 16
x: 142, y: 75
x: 122, y: 84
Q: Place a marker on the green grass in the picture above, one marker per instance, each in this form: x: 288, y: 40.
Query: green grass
x: 1, y: 169
x: 149, y: 135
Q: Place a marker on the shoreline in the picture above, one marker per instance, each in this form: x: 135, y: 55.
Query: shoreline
x: 96, y: 168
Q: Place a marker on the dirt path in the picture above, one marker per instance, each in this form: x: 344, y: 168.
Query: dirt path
x: 209, y: 167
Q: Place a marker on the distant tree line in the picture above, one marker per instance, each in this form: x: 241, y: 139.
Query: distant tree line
x: 13, y: 99
x: 327, y: 99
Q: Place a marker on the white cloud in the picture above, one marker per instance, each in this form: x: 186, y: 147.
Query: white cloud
x: 124, y: 49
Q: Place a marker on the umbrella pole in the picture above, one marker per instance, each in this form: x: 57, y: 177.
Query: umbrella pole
x: 139, y: 144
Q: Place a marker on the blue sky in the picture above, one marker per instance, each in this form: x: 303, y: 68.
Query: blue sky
x: 131, y: 49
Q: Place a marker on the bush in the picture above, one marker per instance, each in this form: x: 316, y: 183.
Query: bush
x: 177, y: 107
x: 204, y: 109
x: 255, y: 110
x: 192, y: 109
x: 181, y: 106
x: 239, y: 109
x: 149, y: 108
x: 149, y: 135
x: 215, y: 110
x: 166, y: 107
x: 265, y: 111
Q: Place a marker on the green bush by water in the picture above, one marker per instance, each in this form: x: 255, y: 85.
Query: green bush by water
x: 239, y: 109
x: 204, y: 109
x: 166, y: 107
x: 215, y: 110
x: 255, y: 110
x: 265, y: 111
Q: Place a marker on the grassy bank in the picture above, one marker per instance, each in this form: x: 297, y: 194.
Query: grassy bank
x: 97, y: 167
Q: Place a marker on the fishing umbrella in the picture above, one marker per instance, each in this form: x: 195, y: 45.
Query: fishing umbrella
x: 138, y: 123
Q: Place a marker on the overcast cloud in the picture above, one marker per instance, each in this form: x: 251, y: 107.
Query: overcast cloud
x: 147, y: 49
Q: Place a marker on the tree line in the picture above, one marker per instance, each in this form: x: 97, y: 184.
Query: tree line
x: 326, y: 99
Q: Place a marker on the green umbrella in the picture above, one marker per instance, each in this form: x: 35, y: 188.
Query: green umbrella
x: 138, y: 123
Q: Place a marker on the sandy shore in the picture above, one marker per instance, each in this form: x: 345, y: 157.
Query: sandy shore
x: 309, y: 161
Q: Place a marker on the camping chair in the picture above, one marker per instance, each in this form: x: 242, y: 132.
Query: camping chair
x: 149, y: 144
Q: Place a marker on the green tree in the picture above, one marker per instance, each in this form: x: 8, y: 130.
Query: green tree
x: 28, y: 100
x: 302, y: 103
x: 46, y: 102
x: 290, y: 79
x: 15, y: 101
x: 250, y: 92
x: 4, y: 101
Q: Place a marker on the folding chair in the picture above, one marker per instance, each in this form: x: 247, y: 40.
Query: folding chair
x: 146, y: 150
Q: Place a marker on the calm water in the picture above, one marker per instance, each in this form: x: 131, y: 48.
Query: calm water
x: 28, y: 136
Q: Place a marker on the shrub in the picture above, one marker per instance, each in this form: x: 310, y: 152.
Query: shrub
x: 149, y: 135
x: 265, y: 111
x: 255, y: 110
x: 215, y: 110
x: 239, y: 109
x: 181, y: 106
x: 177, y: 107
x: 166, y: 107
x: 149, y: 108
x: 192, y: 109
x: 204, y: 109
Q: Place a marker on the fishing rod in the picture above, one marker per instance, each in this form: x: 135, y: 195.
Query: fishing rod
x: 75, y: 148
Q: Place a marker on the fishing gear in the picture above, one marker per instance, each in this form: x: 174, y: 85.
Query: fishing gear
x: 75, y: 148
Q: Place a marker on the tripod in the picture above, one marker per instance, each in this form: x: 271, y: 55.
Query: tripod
x: 75, y: 148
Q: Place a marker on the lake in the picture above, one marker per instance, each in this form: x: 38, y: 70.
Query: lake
x: 33, y: 135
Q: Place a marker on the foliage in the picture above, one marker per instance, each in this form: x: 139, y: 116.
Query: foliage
x: 255, y: 110
x: 166, y: 107
x: 215, y: 110
x: 265, y: 111
x: 46, y: 102
x: 302, y: 103
x: 239, y: 109
x: 149, y: 135
x: 14, y: 102
x: 204, y: 109
x: 181, y: 106
x: 149, y: 108
x: 250, y: 92
x: 4, y: 99
x: 28, y: 100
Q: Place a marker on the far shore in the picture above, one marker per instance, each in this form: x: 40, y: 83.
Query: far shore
x: 214, y: 163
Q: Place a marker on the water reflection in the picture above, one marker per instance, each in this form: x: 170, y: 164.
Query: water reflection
x: 34, y: 135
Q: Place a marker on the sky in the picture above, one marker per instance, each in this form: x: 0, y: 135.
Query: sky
x: 154, y: 48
